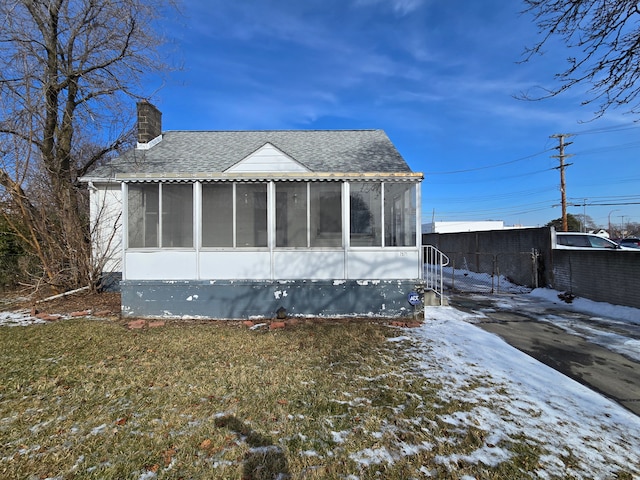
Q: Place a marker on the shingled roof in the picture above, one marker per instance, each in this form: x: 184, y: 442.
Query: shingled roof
x: 197, y: 152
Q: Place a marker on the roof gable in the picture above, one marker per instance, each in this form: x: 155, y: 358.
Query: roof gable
x: 267, y: 159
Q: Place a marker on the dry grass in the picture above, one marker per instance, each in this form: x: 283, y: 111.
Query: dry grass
x: 90, y: 399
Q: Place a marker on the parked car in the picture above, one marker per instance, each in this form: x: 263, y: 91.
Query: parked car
x: 631, y: 242
x: 577, y: 240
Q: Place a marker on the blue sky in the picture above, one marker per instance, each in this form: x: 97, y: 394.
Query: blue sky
x: 439, y: 77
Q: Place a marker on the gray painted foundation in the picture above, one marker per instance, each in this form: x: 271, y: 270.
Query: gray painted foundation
x: 249, y: 299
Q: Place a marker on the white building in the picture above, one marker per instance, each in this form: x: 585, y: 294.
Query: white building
x: 462, y: 226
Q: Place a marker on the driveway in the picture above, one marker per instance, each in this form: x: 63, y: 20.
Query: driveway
x: 597, y: 351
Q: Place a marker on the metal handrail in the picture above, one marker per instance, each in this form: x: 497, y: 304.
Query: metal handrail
x: 434, y: 262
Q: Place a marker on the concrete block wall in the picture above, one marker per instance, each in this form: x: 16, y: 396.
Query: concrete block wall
x: 602, y: 276
x: 508, y: 249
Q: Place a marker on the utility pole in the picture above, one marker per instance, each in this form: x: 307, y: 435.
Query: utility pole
x: 562, y: 156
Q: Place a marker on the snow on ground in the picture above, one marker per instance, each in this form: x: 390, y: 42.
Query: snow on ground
x: 519, y: 395
x: 466, y: 280
x: 20, y: 318
x: 626, y: 314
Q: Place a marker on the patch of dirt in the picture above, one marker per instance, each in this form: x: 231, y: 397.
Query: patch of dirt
x: 96, y: 302
x: 108, y: 303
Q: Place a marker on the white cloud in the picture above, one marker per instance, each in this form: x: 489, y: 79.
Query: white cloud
x: 401, y: 7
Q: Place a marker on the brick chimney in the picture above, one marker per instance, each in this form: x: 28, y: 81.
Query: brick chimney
x: 149, y: 123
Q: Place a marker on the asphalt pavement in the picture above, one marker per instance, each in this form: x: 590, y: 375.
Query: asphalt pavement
x: 614, y: 375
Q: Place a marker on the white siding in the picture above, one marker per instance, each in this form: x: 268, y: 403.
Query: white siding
x: 366, y: 264
x: 267, y: 159
x: 235, y: 265
x: 106, y: 227
x: 318, y: 265
x: 161, y: 265
x: 384, y: 264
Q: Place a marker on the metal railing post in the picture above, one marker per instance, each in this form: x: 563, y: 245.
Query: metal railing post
x: 435, y: 262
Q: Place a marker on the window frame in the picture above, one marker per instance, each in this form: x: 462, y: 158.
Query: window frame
x: 159, y: 222
x: 313, y: 216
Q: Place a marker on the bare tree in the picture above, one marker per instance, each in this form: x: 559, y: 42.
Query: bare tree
x: 68, y: 71
x: 605, y: 37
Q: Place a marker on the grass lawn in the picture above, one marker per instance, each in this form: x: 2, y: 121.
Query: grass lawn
x: 90, y: 399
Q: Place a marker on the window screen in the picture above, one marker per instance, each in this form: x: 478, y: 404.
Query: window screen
x: 399, y: 215
x: 217, y: 215
x: 326, y: 214
x: 143, y: 220
x: 366, y: 214
x: 291, y: 214
x: 146, y: 228
x: 251, y: 215
x: 177, y: 215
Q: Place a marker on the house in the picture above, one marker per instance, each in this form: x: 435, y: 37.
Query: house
x: 238, y: 224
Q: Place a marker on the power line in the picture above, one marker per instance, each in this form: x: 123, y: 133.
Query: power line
x: 489, y: 166
x: 610, y: 148
x: 494, y: 178
x: 616, y: 128
x: 602, y: 204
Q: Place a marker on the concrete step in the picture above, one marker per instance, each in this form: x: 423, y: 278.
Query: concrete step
x: 432, y: 299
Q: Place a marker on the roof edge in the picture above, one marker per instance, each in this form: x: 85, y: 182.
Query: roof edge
x: 256, y: 176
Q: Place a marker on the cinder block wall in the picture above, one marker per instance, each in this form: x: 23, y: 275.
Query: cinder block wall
x: 603, y: 276
x: 509, y: 247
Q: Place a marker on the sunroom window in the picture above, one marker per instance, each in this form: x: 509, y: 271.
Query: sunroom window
x: 366, y: 214
x: 308, y: 214
x: 399, y: 215
x: 148, y: 229
x: 251, y: 215
x: 291, y: 214
x: 143, y: 218
x: 222, y: 202
x: 177, y: 215
x: 217, y: 215
x: 326, y: 214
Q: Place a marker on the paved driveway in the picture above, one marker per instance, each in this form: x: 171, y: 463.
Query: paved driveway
x: 593, y: 350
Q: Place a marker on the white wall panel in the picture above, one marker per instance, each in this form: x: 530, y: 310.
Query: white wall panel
x: 312, y: 265
x: 161, y: 265
x: 235, y: 265
x: 384, y: 264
